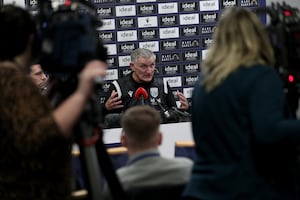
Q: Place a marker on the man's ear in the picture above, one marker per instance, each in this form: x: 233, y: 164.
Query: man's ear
x: 124, y: 139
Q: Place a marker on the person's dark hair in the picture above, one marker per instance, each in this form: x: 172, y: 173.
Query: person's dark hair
x: 16, y: 25
x: 140, y: 123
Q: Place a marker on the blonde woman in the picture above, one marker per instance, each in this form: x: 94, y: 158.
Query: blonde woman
x: 245, y: 146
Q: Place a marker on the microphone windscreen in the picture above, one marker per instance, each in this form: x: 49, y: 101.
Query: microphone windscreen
x: 139, y: 92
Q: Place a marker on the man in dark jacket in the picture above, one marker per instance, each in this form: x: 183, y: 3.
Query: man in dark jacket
x: 121, y: 93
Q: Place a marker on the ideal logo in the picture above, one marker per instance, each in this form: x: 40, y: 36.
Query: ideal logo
x: 107, y: 36
x: 170, y: 57
x: 174, y: 81
x: 126, y: 23
x: 102, y: 1
x: 147, y: 9
x: 105, y: 12
x: 108, y: 24
x: 127, y: 47
x: 209, y: 5
x: 153, y: 45
x: 190, y: 43
x: 209, y: 17
x: 111, y: 74
x: 228, y: 3
x: 188, y: 92
x: 124, y: 61
x: 111, y: 49
x: 191, y: 68
x: 168, y: 20
x: 165, y: 33
x: 189, y: 19
x: 190, y: 80
x: 207, y: 29
x: 169, y: 45
x: 171, y: 69
x: 148, y: 34
x: 144, y: 22
x: 206, y: 42
x: 164, y: 8
x: 189, y: 31
x: 249, y: 3
x: 122, y: 11
x: 191, y: 55
x: 123, y: 36
x: 188, y: 6
x: 111, y: 61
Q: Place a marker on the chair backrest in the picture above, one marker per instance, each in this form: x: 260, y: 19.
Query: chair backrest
x: 118, y: 155
x: 172, y: 192
x: 185, y: 149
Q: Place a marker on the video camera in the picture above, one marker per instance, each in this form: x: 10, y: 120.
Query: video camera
x: 68, y: 36
x: 284, y: 33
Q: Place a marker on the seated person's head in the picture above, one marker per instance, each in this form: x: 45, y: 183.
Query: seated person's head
x: 142, y: 65
x: 38, y: 76
x: 141, y: 128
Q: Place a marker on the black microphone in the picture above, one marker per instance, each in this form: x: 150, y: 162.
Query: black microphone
x: 183, y: 113
x: 141, y: 94
x: 163, y: 109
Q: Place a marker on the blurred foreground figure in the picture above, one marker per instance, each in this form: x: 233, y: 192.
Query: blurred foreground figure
x: 35, y: 140
x: 246, y: 147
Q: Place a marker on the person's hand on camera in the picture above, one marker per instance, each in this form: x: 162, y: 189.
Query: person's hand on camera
x: 92, y: 70
x: 114, y: 101
x: 184, y: 104
x: 68, y: 112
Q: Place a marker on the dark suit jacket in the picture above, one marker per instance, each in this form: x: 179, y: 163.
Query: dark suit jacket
x: 246, y: 148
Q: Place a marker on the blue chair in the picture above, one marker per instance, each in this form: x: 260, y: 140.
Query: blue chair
x: 118, y: 155
x: 185, y: 149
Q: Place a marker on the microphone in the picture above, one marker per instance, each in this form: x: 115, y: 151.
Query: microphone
x: 163, y: 109
x: 183, y: 113
x: 140, y: 95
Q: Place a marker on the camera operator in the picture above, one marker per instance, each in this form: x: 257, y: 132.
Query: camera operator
x: 35, y: 140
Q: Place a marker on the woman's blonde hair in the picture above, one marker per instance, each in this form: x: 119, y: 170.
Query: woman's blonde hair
x: 240, y: 39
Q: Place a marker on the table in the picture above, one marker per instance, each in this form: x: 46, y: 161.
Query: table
x: 171, y: 133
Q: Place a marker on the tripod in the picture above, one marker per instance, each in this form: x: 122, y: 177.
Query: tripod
x: 94, y: 158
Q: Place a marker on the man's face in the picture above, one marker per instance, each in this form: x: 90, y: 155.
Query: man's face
x: 143, y: 69
x: 38, y: 76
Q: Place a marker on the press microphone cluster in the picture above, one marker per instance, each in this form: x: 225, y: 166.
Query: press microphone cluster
x: 141, y: 95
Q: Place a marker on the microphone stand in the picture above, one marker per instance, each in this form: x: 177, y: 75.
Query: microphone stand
x: 142, y: 100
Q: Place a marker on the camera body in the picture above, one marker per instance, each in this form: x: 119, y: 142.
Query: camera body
x: 68, y: 37
x: 284, y: 32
